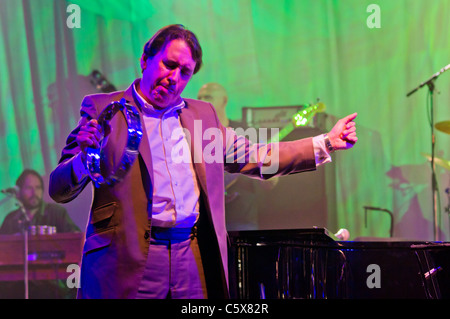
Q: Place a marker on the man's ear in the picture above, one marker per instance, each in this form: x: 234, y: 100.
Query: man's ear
x: 143, y: 62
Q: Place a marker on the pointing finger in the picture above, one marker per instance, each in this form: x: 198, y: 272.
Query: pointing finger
x: 350, y: 117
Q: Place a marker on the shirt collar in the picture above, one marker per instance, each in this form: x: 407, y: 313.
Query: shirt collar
x: 149, y: 110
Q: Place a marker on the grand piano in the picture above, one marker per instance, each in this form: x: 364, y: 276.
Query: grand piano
x: 313, y: 264
x: 268, y: 264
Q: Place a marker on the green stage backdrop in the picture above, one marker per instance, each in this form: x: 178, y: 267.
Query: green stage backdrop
x: 355, y: 55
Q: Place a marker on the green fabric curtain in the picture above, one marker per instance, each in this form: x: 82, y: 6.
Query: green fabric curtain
x: 266, y: 53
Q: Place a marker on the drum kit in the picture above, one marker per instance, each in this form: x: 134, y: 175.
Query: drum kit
x: 443, y: 126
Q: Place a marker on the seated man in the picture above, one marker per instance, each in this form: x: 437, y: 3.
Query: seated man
x: 39, y: 213
x: 30, y: 194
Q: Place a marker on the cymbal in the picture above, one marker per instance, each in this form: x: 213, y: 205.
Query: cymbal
x: 439, y: 161
x: 443, y: 126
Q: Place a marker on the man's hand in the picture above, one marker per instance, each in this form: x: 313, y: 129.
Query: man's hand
x: 343, y: 135
x: 89, y: 135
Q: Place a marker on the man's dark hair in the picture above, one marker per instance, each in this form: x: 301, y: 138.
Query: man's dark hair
x: 174, y: 32
x: 21, y: 180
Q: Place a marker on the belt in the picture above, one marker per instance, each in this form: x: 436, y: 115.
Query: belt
x: 173, y: 234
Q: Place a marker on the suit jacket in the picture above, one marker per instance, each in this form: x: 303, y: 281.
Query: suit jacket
x: 117, y: 235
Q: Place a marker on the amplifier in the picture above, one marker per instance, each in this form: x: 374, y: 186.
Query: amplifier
x: 268, y: 117
x: 281, y: 117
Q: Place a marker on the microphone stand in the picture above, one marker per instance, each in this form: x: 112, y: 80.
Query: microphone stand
x: 431, y: 88
x: 25, y: 225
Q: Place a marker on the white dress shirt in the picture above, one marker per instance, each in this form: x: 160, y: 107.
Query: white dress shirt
x: 175, y: 188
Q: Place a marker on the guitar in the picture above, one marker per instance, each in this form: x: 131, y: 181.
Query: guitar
x: 301, y: 118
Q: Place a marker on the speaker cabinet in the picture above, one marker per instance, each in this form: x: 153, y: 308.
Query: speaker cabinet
x: 300, y: 200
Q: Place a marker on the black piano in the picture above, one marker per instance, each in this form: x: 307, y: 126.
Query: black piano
x: 313, y: 264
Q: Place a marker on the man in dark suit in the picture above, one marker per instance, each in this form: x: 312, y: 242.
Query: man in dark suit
x: 160, y: 232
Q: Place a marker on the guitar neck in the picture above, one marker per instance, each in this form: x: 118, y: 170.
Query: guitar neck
x: 285, y: 131
x: 301, y: 118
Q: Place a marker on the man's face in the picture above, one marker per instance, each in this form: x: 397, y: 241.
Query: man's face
x: 31, y: 192
x: 166, y: 75
x: 213, y: 96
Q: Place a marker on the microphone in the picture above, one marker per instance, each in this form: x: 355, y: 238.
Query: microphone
x: 10, y: 190
x: 343, y: 234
